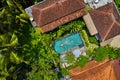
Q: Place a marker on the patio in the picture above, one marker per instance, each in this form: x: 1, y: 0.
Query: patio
x: 77, y: 51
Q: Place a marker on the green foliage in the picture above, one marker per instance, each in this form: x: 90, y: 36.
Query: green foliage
x: 15, y: 59
x: 117, y: 53
x: 47, y: 57
x: 28, y: 54
x: 87, y: 9
x: 39, y: 74
x: 19, y: 43
x: 82, y: 60
x: 3, y: 67
x: 85, y: 37
x: 93, y: 40
x: 70, y: 58
x: 64, y: 71
x: 102, y: 53
x: 118, y: 4
x: 68, y: 28
x: 14, y: 40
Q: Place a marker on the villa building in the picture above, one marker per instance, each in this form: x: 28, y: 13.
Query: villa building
x: 50, y: 14
x: 102, y: 20
x: 104, y: 23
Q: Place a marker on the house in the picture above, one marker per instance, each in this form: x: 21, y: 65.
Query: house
x: 105, y: 70
x: 103, y: 20
x: 49, y: 14
x: 104, y: 23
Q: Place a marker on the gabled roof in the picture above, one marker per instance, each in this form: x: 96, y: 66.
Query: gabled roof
x: 105, y: 70
x: 106, y: 20
x: 49, y: 11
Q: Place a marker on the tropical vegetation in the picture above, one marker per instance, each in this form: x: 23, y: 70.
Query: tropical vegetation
x: 27, y: 54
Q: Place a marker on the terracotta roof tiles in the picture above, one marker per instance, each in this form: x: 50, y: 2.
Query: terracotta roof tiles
x: 115, y: 30
x: 105, y: 19
x: 50, y: 14
x: 97, y: 71
x: 49, y: 11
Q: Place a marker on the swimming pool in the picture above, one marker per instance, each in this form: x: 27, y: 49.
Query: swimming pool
x: 68, y: 42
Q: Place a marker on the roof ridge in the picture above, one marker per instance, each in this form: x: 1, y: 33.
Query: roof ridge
x: 113, y: 17
x: 64, y: 16
x: 117, y: 23
x: 108, y: 31
x: 101, y: 64
x: 48, y: 6
x: 105, y: 13
x: 81, y: 6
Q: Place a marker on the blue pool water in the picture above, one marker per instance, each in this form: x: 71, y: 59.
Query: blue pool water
x: 67, y: 43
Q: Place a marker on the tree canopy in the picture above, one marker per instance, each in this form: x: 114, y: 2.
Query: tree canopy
x: 27, y: 54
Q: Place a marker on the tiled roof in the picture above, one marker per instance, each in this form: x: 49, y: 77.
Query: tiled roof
x: 50, y: 11
x: 105, y: 70
x: 106, y: 20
